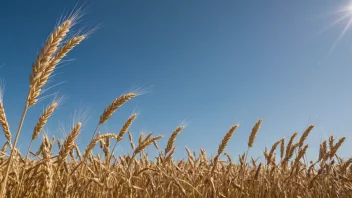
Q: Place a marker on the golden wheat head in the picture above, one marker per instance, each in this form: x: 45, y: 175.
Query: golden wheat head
x: 254, y: 132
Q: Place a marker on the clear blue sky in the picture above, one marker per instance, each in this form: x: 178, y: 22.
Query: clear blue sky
x: 212, y: 63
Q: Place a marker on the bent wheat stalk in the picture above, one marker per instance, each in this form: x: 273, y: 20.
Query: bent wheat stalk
x: 223, y: 145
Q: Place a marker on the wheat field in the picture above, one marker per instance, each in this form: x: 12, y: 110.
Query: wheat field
x: 78, y: 172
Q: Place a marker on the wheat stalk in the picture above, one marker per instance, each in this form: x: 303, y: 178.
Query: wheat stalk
x: 123, y: 131
x: 36, y: 80
x: 223, y: 145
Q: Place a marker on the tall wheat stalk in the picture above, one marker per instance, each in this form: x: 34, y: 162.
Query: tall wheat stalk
x: 42, y: 69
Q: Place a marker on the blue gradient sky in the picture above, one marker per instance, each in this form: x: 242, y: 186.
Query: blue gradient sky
x: 212, y: 63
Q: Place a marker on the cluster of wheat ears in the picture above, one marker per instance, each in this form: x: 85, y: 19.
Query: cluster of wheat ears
x: 69, y: 173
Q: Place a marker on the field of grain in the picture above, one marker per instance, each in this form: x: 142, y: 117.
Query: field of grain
x: 78, y: 172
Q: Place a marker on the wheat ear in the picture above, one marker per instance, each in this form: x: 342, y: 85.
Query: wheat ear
x: 189, y: 153
x: 223, y: 145
x: 46, y: 72
x: 331, y: 142
x: 94, y: 142
x: 305, y: 135
x: 131, y: 139
x: 69, y: 143
x: 273, y: 148
x: 282, y: 148
x: 289, y: 154
x: 172, y: 139
x: 116, y: 104
x: 49, y: 49
x: 145, y: 144
x: 43, y: 119
x: 336, y: 147
x: 112, y: 108
x: 289, y: 145
x: 140, y: 139
x: 227, y: 138
x: 40, y: 125
x: 254, y: 132
x: 3, y: 121
x: 300, y: 155
x: 123, y: 131
x: 322, y: 150
x: 125, y: 127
